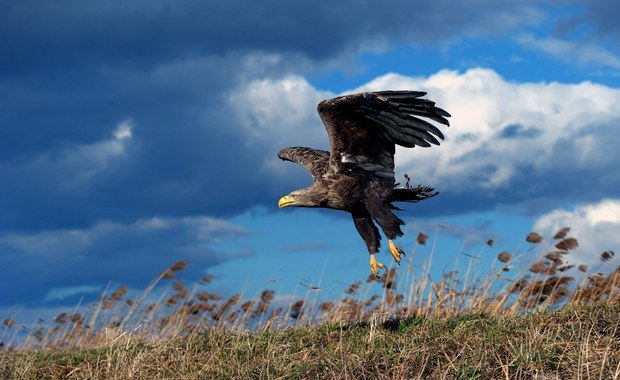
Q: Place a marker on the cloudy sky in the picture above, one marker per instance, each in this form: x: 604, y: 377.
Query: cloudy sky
x: 137, y: 134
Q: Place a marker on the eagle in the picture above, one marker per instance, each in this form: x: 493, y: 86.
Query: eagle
x: 357, y: 174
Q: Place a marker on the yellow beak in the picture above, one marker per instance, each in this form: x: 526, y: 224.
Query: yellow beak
x: 285, y: 201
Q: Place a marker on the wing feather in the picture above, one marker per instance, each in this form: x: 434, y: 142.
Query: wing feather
x: 397, y: 134
x: 414, y: 126
x: 395, y: 95
x: 314, y: 161
x: 364, y: 128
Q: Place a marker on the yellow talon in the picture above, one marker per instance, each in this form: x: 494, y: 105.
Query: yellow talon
x: 395, y: 251
x: 375, y: 265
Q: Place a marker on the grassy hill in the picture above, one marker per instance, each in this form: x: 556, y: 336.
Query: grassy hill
x: 575, y: 342
x: 549, y: 320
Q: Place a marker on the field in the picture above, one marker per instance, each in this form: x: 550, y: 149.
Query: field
x: 550, y: 320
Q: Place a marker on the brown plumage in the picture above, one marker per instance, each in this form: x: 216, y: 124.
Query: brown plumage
x: 357, y: 175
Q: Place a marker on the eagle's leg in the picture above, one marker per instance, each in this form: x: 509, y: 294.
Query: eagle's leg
x: 390, y: 224
x: 375, y: 265
x: 396, y: 252
x: 370, y: 234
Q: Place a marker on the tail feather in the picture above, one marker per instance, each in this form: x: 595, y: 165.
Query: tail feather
x: 412, y: 194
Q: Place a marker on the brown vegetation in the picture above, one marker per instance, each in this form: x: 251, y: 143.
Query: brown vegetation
x: 537, y: 322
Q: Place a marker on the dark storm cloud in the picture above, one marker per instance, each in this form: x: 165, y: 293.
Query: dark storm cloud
x: 70, y: 71
x: 602, y: 15
x: 596, y: 25
x: 72, y: 32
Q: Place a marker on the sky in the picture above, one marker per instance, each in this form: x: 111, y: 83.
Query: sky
x: 137, y: 134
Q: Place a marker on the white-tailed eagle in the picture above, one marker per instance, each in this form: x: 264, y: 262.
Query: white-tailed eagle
x: 357, y: 175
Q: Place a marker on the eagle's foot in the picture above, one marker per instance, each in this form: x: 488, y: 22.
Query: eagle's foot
x: 396, y: 252
x: 375, y: 265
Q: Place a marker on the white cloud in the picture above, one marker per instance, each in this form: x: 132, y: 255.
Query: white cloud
x: 75, y: 165
x: 123, y: 130
x: 85, y: 161
x: 572, y: 52
x: 69, y: 291
x: 482, y: 104
x: 60, y: 242
x: 74, y: 243
x: 594, y: 225
x: 500, y: 130
x: 280, y: 112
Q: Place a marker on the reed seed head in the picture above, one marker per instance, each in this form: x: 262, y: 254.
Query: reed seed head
x: 422, y: 238
x: 504, y: 257
x: 567, y: 244
x: 180, y: 265
x: 561, y: 234
x: 534, y: 238
x: 607, y: 255
x: 118, y: 293
x: 296, y: 309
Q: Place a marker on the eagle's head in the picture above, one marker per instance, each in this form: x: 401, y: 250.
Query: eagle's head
x: 310, y: 197
x: 296, y: 198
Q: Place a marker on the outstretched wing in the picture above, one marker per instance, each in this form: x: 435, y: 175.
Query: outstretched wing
x: 364, y: 128
x: 313, y: 160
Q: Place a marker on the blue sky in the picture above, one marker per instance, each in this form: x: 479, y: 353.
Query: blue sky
x: 134, y: 135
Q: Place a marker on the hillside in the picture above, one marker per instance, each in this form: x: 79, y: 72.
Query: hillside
x: 575, y: 342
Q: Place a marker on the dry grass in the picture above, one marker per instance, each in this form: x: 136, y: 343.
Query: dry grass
x: 575, y: 342
x: 536, y: 322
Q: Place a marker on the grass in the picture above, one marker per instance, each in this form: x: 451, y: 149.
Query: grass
x: 533, y: 323
x: 575, y: 342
